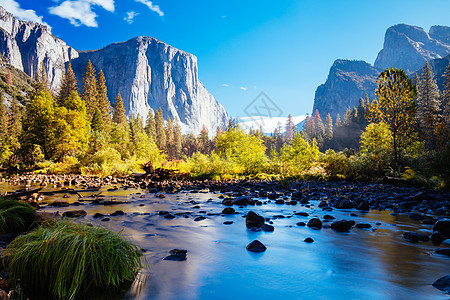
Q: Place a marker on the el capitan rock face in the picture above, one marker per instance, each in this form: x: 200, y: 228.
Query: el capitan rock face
x: 409, y: 47
x: 150, y: 74
x: 346, y: 83
x: 147, y: 72
x: 26, y: 44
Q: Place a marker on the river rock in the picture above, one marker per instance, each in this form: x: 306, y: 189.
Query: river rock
x: 342, y: 225
x: 363, y: 206
x: 329, y: 217
x: 267, y: 228
x: 411, y: 236
x: 177, y: 255
x: 301, y: 224
x: 254, y: 220
x: 60, y: 203
x: 443, y: 251
x: 308, y: 240
x: 303, y: 214
x: 443, y: 284
x: 437, y: 238
x: 443, y: 226
x: 363, y: 226
x: 315, y: 223
x: 98, y: 215
x: 74, y: 213
x: 256, y: 246
x: 200, y: 218
x: 228, y: 211
x: 241, y: 200
x: 423, y: 237
x: 169, y: 216
x: 227, y: 202
x: 42, y: 216
x: 117, y: 213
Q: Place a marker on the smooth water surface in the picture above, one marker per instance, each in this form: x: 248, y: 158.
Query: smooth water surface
x: 363, y: 264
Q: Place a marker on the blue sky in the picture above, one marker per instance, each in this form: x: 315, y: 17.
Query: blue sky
x: 283, y: 48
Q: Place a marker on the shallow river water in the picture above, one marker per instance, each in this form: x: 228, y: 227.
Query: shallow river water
x: 362, y: 264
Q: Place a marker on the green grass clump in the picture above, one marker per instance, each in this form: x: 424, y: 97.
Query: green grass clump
x: 66, y: 258
x: 15, y: 216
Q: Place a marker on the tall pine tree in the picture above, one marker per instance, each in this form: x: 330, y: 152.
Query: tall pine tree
x: 103, y: 101
x: 161, y: 137
x: 89, y: 90
x: 290, y: 129
x: 446, y: 97
x: 328, y: 128
x: 150, y: 125
x: 119, y: 116
x: 427, y: 99
x: 68, y: 85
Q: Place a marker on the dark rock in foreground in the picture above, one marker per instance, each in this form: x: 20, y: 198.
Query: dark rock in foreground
x: 315, y: 223
x: 228, y: 211
x: 342, y: 225
x: 443, y: 226
x: 411, y: 236
x: 443, y: 251
x: 74, y: 213
x: 176, y: 255
x: 308, y: 240
x: 267, y: 228
x: 256, y: 246
x: 437, y: 238
x: 254, y: 220
x: 443, y: 284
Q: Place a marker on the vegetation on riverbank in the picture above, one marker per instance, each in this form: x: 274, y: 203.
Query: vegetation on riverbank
x: 403, y: 132
x: 15, y: 216
x: 64, y: 259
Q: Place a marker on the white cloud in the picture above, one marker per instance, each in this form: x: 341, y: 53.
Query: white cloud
x: 80, y: 12
x: 130, y: 17
x: 243, y: 88
x: 23, y: 14
x: 152, y: 7
x: 225, y: 85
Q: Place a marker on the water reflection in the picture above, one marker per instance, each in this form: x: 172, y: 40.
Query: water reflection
x: 362, y: 264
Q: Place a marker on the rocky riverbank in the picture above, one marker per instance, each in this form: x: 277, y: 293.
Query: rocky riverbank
x: 237, y: 197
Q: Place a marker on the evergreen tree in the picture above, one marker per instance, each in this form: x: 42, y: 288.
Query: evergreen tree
x: 89, y: 90
x: 347, y: 117
x: 338, y: 122
x: 290, y: 129
x: 150, y: 124
x: 68, y: 85
x: 119, y: 116
x: 3, y: 117
x: 203, y: 138
x: 161, y: 137
x: 427, y: 99
x: 396, y: 107
x: 103, y: 101
x: 446, y: 97
x: 41, y: 83
x: 170, y: 138
x: 15, y: 119
x: 97, y: 123
x: 328, y: 128
x: 178, y: 139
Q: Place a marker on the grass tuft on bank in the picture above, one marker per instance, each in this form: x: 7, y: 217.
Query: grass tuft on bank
x: 65, y: 259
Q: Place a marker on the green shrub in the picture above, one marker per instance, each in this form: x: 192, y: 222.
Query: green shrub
x: 15, y: 216
x: 66, y: 258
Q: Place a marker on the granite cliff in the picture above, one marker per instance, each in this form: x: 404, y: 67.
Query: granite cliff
x: 147, y: 72
x: 26, y: 44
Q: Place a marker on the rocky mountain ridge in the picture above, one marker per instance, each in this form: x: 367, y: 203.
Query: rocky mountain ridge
x: 405, y: 46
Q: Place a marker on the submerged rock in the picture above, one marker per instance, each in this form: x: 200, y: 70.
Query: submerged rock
x: 411, y: 236
x: 228, y: 211
x: 267, y: 228
x: 256, y: 246
x: 308, y: 240
x: 177, y: 255
x: 443, y: 251
x: 342, y: 225
x: 74, y: 213
x: 443, y: 284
